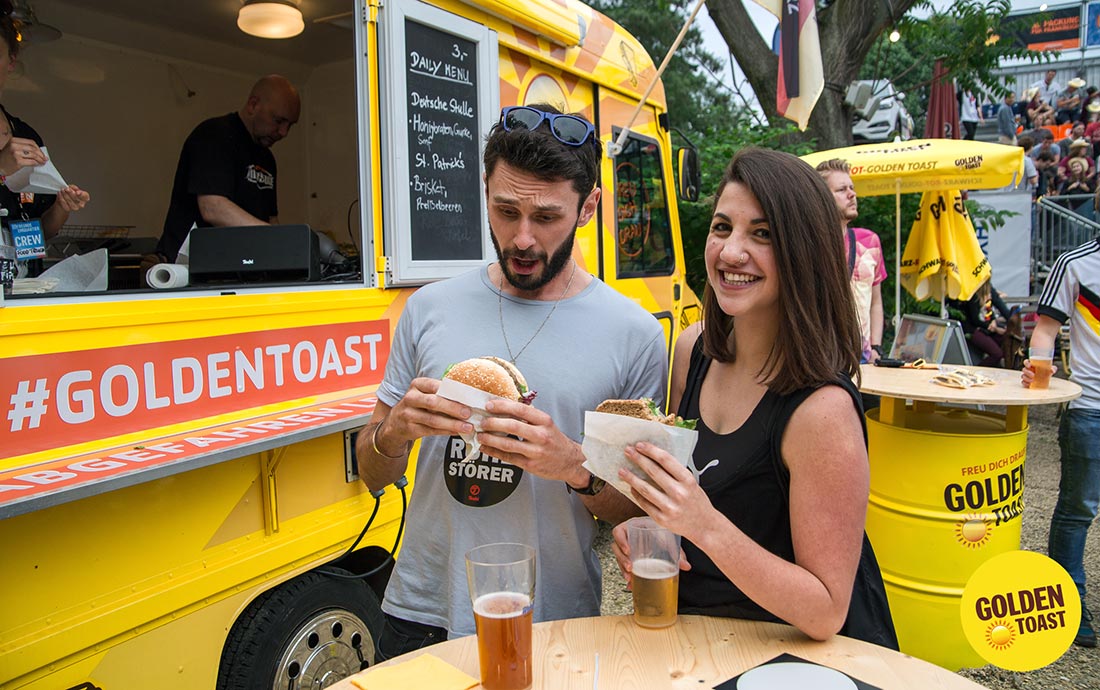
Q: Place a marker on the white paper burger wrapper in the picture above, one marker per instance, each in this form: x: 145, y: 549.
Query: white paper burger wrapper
x: 606, y: 436
x: 475, y: 399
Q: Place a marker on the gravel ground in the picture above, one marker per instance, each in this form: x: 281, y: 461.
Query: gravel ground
x: 1078, y: 669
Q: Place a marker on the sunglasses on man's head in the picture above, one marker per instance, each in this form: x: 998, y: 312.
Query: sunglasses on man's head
x: 568, y: 129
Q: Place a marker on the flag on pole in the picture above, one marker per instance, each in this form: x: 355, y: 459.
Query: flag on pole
x: 801, y: 76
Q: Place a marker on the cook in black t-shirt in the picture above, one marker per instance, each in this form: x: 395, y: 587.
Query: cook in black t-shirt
x: 226, y: 172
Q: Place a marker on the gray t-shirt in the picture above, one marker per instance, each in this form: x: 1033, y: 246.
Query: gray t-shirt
x: 596, y: 345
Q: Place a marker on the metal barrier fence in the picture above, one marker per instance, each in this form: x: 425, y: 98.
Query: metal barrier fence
x: 1061, y: 223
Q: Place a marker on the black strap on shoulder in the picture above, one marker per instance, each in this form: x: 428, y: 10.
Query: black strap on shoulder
x: 781, y: 414
x: 697, y: 371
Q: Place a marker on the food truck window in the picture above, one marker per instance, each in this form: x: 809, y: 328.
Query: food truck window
x: 117, y: 94
x: 642, y: 228
x: 440, y: 97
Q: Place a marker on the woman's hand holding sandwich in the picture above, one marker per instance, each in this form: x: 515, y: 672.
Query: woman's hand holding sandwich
x: 676, y: 503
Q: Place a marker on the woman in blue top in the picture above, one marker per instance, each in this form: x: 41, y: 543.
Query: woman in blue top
x: 773, y: 526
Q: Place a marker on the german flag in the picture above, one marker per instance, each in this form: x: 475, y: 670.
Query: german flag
x: 801, y: 76
x: 1088, y: 306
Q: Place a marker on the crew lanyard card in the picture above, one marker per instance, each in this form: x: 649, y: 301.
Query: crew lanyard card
x: 29, y: 241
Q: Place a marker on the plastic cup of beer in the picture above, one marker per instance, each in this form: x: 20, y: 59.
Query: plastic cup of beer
x: 1042, y: 363
x: 502, y: 589
x: 655, y: 566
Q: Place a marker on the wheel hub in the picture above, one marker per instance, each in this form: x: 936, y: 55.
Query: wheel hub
x: 326, y: 649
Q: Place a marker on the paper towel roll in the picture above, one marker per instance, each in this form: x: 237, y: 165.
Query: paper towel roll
x: 165, y: 276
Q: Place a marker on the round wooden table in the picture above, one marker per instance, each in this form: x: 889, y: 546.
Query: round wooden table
x: 698, y: 652
x: 896, y: 385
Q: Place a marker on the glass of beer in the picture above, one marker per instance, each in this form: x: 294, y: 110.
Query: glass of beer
x: 502, y: 589
x: 1042, y: 363
x: 655, y: 564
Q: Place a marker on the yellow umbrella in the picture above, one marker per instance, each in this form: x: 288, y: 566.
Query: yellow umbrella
x: 925, y: 165
x: 928, y: 165
x: 943, y: 258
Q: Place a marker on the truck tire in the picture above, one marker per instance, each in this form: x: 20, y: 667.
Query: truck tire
x: 308, y: 632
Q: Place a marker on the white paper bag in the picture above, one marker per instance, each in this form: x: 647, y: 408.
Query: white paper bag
x: 40, y: 179
x: 607, y: 435
x: 475, y: 399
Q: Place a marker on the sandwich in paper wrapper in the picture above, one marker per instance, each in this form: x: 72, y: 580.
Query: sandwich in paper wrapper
x: 617, y: 424
x: 474, y: 382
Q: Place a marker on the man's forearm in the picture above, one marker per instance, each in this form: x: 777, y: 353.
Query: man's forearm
x: 381, y: 461
x: 219, y: 211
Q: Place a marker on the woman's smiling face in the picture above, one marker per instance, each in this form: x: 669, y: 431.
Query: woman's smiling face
x: 740, y: 257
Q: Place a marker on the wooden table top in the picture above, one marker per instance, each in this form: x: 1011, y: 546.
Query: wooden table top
x: 697, y: 652
x: 916, y: 384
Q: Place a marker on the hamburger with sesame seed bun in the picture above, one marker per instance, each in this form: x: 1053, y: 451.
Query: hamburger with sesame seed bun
x: 493, y: 375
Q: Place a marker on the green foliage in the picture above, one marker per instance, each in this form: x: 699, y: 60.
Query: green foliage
x: 990, y: 217
x: 696, y: 102
x: 972, y: 37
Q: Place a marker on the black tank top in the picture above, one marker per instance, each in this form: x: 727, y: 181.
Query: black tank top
x: 741, y: 477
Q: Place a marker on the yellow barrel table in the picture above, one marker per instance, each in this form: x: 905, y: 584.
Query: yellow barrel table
x: 947, y: 487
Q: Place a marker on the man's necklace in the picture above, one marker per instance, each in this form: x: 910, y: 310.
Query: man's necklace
x: 500, y: 310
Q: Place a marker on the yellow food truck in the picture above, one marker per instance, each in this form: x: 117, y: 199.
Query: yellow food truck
x: 179, y: 504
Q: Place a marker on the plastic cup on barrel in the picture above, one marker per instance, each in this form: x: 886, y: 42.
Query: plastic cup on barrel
x: 1042, y: 363
x: 655, y: 566
x: 502, y: 590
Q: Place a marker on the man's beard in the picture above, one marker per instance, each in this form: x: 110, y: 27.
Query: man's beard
x: 553, y: 265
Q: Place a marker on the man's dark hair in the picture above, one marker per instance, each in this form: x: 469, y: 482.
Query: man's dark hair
x: 1047, y: 156
x: 1047, y: 135
x: 1025, y: 142
x: 818, y: 333
x: 539, y: 153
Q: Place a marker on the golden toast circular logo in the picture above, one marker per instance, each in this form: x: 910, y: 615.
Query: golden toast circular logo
x: 1020, y: 610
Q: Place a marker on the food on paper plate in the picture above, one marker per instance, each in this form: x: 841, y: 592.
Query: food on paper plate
x: 644, y: 408
x: 493, y: 375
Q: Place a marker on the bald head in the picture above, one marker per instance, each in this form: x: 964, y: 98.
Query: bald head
x: 272, y: 108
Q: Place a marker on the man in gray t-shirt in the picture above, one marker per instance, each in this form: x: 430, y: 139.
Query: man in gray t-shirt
x: 1006, y: 121
x: 576, y: 341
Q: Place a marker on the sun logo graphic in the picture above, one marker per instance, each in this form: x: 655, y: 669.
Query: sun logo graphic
x: 1000, y: 634
x: 973, y: 532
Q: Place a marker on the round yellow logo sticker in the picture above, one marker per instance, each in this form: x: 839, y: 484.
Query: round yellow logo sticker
x: 1020, y: 610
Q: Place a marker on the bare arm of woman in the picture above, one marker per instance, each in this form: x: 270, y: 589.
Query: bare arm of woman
x: 823, y: 448
x: 681, y: 360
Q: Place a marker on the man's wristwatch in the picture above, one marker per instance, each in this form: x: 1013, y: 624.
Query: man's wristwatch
x: 595, y: 485
x: 878, y: 349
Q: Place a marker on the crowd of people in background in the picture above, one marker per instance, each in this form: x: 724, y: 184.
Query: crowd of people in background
x: 1057, y: 126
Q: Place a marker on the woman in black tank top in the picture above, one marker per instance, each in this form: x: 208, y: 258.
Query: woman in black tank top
x: 772, y: 510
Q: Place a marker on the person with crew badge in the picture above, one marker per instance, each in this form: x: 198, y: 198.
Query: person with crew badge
x: 575, y: 340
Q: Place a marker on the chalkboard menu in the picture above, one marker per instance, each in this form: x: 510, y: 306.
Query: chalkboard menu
x: 444, y: 153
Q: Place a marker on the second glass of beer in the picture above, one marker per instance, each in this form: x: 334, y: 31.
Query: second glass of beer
x: 1042, y: 363
x: 502, y: 589
x: 655, y: 566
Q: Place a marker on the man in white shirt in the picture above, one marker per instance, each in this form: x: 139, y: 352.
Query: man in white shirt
x: 1048, y: 88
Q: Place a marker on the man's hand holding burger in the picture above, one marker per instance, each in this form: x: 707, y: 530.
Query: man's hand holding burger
x: 541, y: 448
x: 382, y: 447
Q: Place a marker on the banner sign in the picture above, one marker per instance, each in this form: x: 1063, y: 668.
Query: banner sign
x: 1054, y: 29
x: 24, y: 485
x: 1092, y: 26
x: 65, y: 398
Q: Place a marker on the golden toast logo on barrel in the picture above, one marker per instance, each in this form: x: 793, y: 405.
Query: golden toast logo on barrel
x: 1020, y: 610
